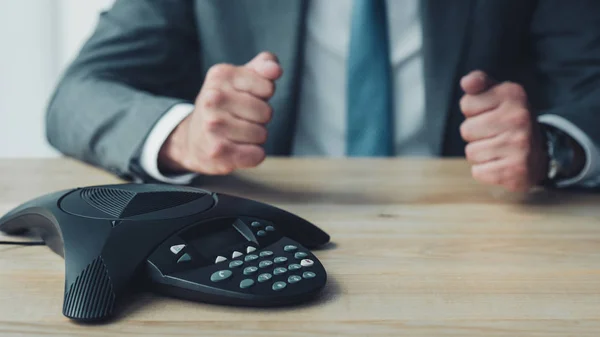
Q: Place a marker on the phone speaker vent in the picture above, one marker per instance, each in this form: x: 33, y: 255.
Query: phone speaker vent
x: 108, y: 200
x: 91, y: 296
x: 147, y: 202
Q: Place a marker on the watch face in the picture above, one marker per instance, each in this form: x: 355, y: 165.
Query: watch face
x: 553, y: 168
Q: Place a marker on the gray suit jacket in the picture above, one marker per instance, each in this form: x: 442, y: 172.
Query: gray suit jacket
x: 147, y: 55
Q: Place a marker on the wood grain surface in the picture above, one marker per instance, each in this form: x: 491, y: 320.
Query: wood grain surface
x: 418, y: 249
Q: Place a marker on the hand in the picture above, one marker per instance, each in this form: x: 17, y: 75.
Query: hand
x: 505, y: 145
x: 227, y: 127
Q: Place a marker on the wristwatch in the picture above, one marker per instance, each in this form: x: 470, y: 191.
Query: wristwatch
x: 561, y: 155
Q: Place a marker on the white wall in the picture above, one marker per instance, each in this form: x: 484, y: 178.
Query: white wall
x: 38, y: 38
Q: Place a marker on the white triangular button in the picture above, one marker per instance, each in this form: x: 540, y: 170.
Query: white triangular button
x: 250, y: 249
x: 177, y: 248
x: 220, y: 259
x: 236, y: 254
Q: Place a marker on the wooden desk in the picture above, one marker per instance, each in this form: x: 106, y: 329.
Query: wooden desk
x: 419, y: 250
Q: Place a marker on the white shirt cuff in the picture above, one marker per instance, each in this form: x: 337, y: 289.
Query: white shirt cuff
x: 590, y: 175
x: 155, y: 140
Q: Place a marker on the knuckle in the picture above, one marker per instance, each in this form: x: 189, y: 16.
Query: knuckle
x: 521, y: 140
x: 212, y: 98
x: 268, y: 113
x: 464, y: 103
x: 465, y: 133
x: 219, y: 71
x: 477, y: 173
x: 470, y: 152
x: 265, y: 55
x: 261, y: 135
x: 258, y: 157
x: 513, y: 91
x: 214, y: 123
x: 217, y: 150
x: 519, y: 118
x: 269, y: 88
x: 225, y: 168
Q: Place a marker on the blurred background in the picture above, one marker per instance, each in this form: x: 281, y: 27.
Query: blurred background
x: 39, y: 38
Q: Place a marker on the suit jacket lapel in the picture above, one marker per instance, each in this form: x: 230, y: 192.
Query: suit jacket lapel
x: 445, y: 27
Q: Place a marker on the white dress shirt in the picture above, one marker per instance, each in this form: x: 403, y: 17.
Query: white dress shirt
x: 321, y: 123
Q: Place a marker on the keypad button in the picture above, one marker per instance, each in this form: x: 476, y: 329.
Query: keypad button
x: 236, y: 254
x: 247, y: 283
x: 266, y: 253
x: 279, y: 271
x: 184, y: 258
x: 308, y: 274
x: 294, y: 266
x: 250, y: 270
x: 277, y: 286
x: 265, y: 264
x: 235, y: 263
x: 261, y: 233
x: 176, y: 248
x: 251, y: 257
x: 270, y: 229
x: 280, y: 259
x: 255, y: 224
x: 220, y: 259
x: 294, y: 279
x: 264, y: 277
x: 300, y: 255
x: 290, y: 248
x: 221, y: 275
x: 250, y: 249
x: 306, y: 263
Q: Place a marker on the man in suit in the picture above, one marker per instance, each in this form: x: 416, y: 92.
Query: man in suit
x: 167, y: 90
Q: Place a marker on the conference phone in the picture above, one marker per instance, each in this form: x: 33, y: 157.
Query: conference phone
x: 180, y: 241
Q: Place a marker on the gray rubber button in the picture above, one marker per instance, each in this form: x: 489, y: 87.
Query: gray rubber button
x: 184, y: 258
x: 279, y: 271
x: 235, y: 263
x: 279, y: 285
x: 221, y: 275
x: 265, y: 264
x: 300, y: 255
x: 308, y: 274
x: 264, y: 277
x: 294, y: 266
x: 294, y: 279
x: 261, y: 233
x: 290, y: 248
x: 250, y: 257
x: 255, y: 224
x: 250, y: 270
x: 266, y: 253
x: 270, y: 229
x: 280, y: 259
x: 247, y: 283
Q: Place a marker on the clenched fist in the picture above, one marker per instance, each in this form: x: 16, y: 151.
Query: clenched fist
x: 505, y: 144
x: 227, y: 127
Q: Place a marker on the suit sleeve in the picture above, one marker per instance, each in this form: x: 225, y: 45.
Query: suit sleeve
x: 566, y: 48
x: 141, y: 60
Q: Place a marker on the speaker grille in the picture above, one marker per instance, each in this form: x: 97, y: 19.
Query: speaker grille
x: 155, y: 201
x: 121, y: 203
x: 108, y: 200
x: 91, y: 296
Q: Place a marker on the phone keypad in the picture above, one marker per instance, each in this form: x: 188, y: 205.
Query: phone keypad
x: 278, y: 271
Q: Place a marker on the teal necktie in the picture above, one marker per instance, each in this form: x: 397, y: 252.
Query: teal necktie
x: 369, y: 108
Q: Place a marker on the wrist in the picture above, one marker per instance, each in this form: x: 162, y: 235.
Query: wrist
x: 174, y: 150
x: 565, y: 156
